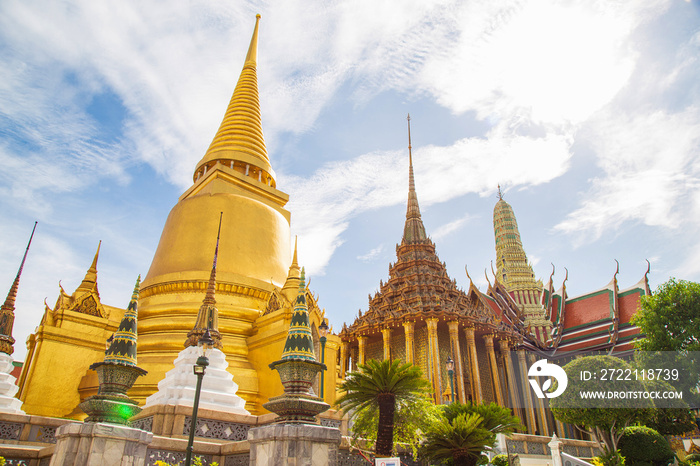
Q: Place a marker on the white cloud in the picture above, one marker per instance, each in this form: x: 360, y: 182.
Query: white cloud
x: 451, y: 227
x: 650, y: 166
x: 371, y: 255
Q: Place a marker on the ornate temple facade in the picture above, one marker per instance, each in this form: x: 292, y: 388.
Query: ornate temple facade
x: 255, y: 281
x: 420, y: 316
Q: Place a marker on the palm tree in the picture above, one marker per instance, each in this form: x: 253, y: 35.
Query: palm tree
x: 463, y: 440
x: 467, y: 430
x: 381, y: 385
x: 495, y: 418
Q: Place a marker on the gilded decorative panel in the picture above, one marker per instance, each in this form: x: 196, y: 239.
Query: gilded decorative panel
x: 374, y: 350
x: 398, y: 344
x: 484, y: 371
x: 444, y: 350
x: 420, y: 346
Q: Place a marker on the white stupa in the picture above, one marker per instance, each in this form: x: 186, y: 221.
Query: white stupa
x: 218, y: 388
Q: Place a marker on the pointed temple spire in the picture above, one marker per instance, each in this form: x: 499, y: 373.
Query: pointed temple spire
x: 414, y: 231
x: 208, y: 315
x: 7, y: 312
x: 89, y: 283
x: 292, y: 282
x: 122, y: 349
x: 512, y: 268
x: 240, y: 136
x: 300, y: 344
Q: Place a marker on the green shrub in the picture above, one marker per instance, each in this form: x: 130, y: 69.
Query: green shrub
x: 694, y: 457
x: 500, y: 460
x: 609, y: 458
x: 643, y: 446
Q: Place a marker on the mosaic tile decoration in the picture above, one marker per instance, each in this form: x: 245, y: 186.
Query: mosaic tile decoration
x: 10, y: 430
x: 145, y: 423
x: 43, y: 434
x: 331, y: 423
x: 209, y: 428
x: 242, y: 459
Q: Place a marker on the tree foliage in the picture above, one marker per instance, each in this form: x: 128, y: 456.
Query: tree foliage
x: 467, y: 430
x: 670, y: 322
x: 675, y: 420
x: 644, y: 446
x: 462, y: 440
x: 379, y: 387
x: 411, y: 420
x: 670, y: 318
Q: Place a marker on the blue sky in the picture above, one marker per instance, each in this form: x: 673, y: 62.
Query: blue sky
x: 587, y: 114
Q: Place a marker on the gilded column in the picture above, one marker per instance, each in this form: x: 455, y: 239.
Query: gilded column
x: 386, y: 338
x: 408, y: 332
x: 488, y: 339
x: 434, y: 358
x: 529, y: 407
x: 510, y: 381
x: 459, y: 366
x: 474, y: 363
x: 361, y: 341
x: 343, y: 358
x: 541, y: 413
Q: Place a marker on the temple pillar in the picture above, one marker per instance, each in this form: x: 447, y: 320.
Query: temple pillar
x: 510, y: 373
x: 529, y: 407
x: 541, y: 413
x: 488, y: 339
x: 474, y: 365
x: 386, y: 338
x: 343, y: 358
x: 408, y: 333
x: 361, y: 341
x: 459, y: 366
x: 434, y: 362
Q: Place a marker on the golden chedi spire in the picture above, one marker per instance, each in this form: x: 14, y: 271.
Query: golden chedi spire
x: 235, y: 178
x: 7, y: 312
x: 414, y: 231
x: 240, y: 136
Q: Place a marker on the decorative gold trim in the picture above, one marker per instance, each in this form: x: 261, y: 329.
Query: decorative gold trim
x: 192, y: 286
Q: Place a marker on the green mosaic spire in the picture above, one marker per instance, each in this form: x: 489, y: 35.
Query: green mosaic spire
x: 123, y: 347
x: 300, y: 344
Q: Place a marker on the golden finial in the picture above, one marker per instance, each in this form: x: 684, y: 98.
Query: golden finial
x: 500, y: 193
x: 240, y: 136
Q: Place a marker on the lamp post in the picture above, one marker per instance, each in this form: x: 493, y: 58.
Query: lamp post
x: 205, y: 345
x: 450, y: 366
x: 323, y: 331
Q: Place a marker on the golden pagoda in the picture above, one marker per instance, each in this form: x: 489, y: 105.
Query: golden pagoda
x: 420, y: 316
x: 234, y: 181
x: 70, y: 338
x: 515, y: 272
